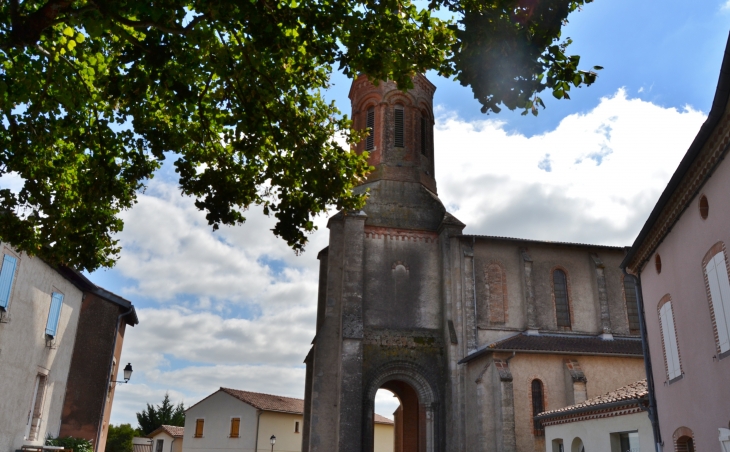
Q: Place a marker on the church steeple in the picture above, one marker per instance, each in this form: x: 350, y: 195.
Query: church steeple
x: 401, y: 142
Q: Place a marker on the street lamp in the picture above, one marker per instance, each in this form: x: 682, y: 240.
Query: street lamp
x: 272, y: 440
x: 127, y: 374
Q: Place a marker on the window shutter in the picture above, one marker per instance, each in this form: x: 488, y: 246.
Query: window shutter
x: 716, y: 273
x: 199, y: 424
x: 724, y: 282
x: 399, y: 125
x: 54, y: 314
x: 370, y: 140
x: 6, y: 279
x: 670, y: 341
x: 235, y: 427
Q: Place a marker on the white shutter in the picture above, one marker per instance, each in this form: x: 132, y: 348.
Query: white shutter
x: 724, y: 282
x: 670, y: 341
x: 719, y: 296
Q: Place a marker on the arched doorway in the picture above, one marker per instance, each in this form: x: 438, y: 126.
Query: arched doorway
x: 415, y: 417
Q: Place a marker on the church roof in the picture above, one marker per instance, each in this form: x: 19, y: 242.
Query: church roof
x: 545, y: 242
x: 565, y: 344
x: 625, y: 400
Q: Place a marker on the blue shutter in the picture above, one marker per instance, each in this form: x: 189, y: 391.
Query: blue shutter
x: 6, y: 279
x: 54, y: 314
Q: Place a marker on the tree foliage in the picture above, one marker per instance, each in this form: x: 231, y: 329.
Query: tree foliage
x: 151, y: 418
x: 119, y: 438
x: 75, y: 444
x: 94, y: 96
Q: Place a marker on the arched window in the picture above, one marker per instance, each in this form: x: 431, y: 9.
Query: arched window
x: 494, y: 309
x: 562, y: 307
x: 370, y: 124
x: 538, y: 406
x: 632, y: 306
x: 399, y: 126
x: 669, y: 338
x: 424, y: 135
x: 683, y: 440
x: 718, y: 292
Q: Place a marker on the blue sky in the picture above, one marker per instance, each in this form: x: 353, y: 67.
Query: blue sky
x: 237, y: 308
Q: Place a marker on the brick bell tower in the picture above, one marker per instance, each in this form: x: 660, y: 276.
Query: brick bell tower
x: 381, y: 316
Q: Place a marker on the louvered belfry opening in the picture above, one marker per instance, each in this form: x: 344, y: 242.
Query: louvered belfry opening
x: 538, y: 406
x: 370, y: 140
x: 423, y: 136
x: 560, y: 290
x: 399, y: 118
x: 632, y: 306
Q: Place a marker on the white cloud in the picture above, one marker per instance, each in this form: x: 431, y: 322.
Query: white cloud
x: 725, y: 6
x: 237, y: 308
x: 592, y: 179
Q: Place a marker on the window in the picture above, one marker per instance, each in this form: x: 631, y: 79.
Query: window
x: 658, y: 263
x: 35, y: 414
x: 6, y: 279
x: 625, y: 442
x: 296, y: 427
x: 160, y: 444
x: 399, y: 119
x: 370, y: 140
x: 558, y: 445
x: 496, y: 297
x: 562, y: 307
x: 199, y: 424
x: 424, y: 146
x: 719, y: 294
x: 632, y: 306
x: 704, y: 207
x: 54, y: 314
x: 669, y: 338
x: 235, y: 427
x: 685, y: 444
x: 538, y: 406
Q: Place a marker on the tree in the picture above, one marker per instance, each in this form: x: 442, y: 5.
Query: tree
x: 166, y: 413
x: 119, y: 438
x: 96, y: 95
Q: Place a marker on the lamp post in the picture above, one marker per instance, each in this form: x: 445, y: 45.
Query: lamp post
x: 127, y: 374
x: 272, y: 440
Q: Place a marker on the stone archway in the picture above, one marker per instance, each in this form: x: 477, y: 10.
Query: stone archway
x: 416, y: 418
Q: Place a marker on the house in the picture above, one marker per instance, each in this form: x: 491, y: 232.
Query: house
x: 680, y: 263
x: 46, y: 321
x: 230, y: 419
x: 616, y: 421
x: 474, y: 334
x: 95, y: 367
x: 167, y: 438
x: 141, y: 444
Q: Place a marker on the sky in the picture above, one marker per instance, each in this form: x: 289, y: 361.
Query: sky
x: 237, y: 308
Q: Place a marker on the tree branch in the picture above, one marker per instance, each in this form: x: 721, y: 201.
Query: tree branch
x: 27, y: 31
x: 163, y: 28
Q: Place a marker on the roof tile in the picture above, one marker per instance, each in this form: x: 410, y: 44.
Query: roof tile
x: 634, y: 391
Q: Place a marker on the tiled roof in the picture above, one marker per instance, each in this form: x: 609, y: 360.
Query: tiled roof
x: 544, y: 242
x: 563, y: 343
x: 633, y: 392
x: 382, y: 420
x: 174, y: 431
x: 268, y: 402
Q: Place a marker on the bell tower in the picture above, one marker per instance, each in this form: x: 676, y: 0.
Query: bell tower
x: 400, y: 145
x: 380, y: 312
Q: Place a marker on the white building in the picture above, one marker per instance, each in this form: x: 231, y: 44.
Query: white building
x: 244, y: 421
x: 39, y: 313
x: 615, y: 422
x: 167, y: 438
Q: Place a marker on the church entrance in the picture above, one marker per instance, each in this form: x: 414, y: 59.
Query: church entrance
x: 410, y: 420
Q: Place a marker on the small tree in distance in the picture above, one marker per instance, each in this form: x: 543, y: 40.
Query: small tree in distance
x: 166, y: 413
x: 119, y: 438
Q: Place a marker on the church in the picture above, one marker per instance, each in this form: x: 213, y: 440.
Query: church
x: 474, y: 334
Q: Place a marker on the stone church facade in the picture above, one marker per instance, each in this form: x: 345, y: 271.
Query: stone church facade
x: 474, y: 334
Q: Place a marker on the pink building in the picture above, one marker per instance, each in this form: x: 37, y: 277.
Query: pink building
x: 681, y: 263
